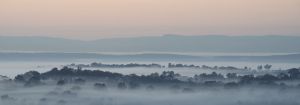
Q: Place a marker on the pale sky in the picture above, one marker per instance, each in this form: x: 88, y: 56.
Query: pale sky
x: 90, y: 19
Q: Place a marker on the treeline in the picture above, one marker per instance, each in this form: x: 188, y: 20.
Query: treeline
x: 170, y: 65
x: 95, y: 64
x: 72, y: 75
x: 259, y: 67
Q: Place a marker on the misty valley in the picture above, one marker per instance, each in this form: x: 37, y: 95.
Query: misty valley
x: 149, y: 52
x: 40, y: 78
x: 87, y: 84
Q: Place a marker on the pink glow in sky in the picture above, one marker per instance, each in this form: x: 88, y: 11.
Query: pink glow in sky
x: 89, y: 19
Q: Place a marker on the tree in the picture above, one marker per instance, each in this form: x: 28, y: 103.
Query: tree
x: 170, y: 65
x: 79, y: 81
x: 61, y: 82
x: 267, y: 77
x: 100, y: 86
x: 231, y: 75
x: 294, y: 73
x: 283, y: 76
x: 19, y: 78
x: 260, y: 67
x: 267, y: 67
x: 122, y: 85
x: 247, y: 79
x: 29, y: 78
x: 168, y: 75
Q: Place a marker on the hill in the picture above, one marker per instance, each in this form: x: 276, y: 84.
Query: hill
x: 167, y: 43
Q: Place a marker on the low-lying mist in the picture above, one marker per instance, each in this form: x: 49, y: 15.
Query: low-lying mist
x: 14, y: 94
x: 70, y: 86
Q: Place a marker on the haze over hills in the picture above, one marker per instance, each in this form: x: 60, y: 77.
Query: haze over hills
x: 142, y: 57
x: 166, y: 43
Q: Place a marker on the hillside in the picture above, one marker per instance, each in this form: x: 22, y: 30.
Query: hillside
x: 167, y: 43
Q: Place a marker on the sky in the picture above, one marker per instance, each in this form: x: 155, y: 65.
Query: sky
x: 95, y: 19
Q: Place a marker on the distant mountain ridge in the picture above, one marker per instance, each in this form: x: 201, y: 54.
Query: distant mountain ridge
x: 10, y: 56
x: 167, y: 43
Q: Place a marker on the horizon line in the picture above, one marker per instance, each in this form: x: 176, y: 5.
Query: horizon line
x: 162, y: 35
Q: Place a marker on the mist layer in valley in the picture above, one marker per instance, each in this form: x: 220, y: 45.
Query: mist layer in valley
x: 173, y: 80
x: 12, y: 63
x: 76, y: 86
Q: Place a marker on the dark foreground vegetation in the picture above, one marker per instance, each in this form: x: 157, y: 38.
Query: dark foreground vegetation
x: 70, y: 75
x: 66, y: 86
